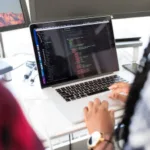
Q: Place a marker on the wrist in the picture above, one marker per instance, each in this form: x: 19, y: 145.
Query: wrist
x: 108, y: 137
x: 103, y: 145
x: 99, y: 141
x: 108, y: 142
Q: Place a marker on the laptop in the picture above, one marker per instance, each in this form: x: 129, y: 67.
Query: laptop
x: 77, y: 62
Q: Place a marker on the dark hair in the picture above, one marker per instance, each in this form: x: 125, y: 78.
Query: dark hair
x: 134, y: 95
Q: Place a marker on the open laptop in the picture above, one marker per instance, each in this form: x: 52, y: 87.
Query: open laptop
x: 76, y: 61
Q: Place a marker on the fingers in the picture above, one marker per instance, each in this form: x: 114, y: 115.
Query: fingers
x: 97, y: 102
x: 112, y: 115
x: 104, y: 105
x: 114, y: 86
x: 85, y: 110
x: 118, y: 90
x: 90, y: 106
x: 85, y: 113
x: 113, y: 95
x: 122, y: 98
x: 117, y: 96
x: 121, y: 90
x: 94, y: 106
x: 118, y: 85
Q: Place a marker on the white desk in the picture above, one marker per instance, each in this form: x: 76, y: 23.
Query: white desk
x: 40, y: 111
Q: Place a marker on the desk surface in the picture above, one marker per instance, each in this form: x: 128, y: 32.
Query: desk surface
x: 39, y: 110
x: 41, y: 113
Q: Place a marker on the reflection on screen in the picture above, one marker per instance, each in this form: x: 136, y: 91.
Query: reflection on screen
x: 75, y: 52
x: 10, y: 13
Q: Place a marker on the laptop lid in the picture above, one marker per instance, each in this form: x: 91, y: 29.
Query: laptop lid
x: 74, y: 49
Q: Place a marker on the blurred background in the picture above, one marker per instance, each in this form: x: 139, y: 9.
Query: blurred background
x: 138, y: 25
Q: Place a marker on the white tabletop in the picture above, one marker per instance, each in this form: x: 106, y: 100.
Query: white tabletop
x: 43, y: 116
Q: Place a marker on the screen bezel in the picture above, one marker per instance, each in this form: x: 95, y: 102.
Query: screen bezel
x: 26, y: 19
x: 48, y: 24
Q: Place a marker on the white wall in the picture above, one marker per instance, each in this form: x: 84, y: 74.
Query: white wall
x: 19, y: 41
x: 139, y: 26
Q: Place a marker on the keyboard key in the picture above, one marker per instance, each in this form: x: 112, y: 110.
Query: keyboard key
x: 85, y: 89
x: 68, y: 99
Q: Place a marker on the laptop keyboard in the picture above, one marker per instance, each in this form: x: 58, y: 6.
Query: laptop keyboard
x: 89, y: 88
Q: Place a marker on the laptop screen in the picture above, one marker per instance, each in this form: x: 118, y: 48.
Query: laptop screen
x: 74, y: 49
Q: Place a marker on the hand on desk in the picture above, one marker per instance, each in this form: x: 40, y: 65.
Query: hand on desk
x: 117, y: 90
x: 98, y: 118
x: 96, y: 113
x: 95, y: 117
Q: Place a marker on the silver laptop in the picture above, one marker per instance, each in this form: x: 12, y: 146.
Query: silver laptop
x: 76, y: 61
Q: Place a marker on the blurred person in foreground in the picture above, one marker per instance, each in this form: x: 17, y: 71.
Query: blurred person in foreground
x: 15, y: 132
x: 136, y: 120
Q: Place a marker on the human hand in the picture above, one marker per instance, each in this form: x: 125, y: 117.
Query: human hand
x: 98, y: 118
x: 118, y: 89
